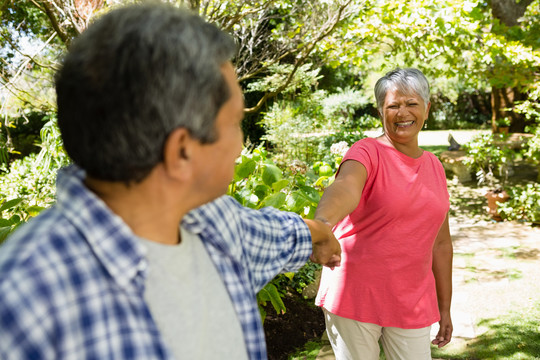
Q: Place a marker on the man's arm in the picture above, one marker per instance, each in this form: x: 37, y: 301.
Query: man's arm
x: 442, y: 270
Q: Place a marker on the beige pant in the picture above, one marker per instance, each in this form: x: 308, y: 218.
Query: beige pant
x: 354, y: 340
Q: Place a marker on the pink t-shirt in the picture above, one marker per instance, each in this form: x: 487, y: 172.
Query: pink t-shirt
x: 385, y: 277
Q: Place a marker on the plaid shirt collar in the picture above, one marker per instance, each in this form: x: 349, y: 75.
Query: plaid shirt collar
x: 112, y: 241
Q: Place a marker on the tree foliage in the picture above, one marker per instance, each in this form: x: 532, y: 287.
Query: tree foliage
x: 463, y: 45
x: 462, y: 41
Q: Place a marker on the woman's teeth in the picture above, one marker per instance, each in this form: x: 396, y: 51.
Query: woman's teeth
x: 403, y: 124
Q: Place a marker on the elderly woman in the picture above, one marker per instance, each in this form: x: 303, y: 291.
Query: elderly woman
x: 389, y: 208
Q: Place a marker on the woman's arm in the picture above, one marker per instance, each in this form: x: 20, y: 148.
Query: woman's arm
x: 442, y: 270
x: 343, y: 196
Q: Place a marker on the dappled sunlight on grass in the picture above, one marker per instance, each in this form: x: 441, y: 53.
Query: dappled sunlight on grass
x: 467, y: 202
x: 514, y: 336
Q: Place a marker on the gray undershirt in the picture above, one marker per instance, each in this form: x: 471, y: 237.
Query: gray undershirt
x: 189, y: 302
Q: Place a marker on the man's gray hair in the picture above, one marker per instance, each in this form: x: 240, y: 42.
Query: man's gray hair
x: 407, y: 81
x: 134, y: 76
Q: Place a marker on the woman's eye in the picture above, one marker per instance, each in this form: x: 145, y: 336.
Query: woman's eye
x: 413, y: 104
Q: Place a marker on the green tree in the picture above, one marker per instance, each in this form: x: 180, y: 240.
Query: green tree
x: 272, y: 33
x: 269, y: 33
x: 467, y: 44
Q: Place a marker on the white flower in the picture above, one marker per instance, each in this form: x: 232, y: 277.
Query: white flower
x: 339, y: 148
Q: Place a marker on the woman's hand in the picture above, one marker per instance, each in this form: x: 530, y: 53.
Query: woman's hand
x: 445, y: 330
x: 442, y: 271
x: 326, y: 248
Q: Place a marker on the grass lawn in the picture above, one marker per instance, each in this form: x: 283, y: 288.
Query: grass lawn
x: 512, y: 337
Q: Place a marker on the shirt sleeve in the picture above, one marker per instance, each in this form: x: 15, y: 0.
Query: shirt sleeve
x: 285, y: 244
x: 24, y: 307
x: 266, y: 242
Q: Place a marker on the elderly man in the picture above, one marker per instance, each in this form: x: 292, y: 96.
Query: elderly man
x: 142, y: 257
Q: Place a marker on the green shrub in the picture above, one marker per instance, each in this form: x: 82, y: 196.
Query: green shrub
x: 531, y: 149
x: 304, y: 128
x: 28, y: 185
x: 524, y: 203
x: 487, y: 154
x: 259, y: 182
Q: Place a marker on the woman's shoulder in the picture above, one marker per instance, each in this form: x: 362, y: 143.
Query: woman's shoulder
x: 365, y: 151
x: 434, y: 162
x: 367, y: 143
x: 432, y: 157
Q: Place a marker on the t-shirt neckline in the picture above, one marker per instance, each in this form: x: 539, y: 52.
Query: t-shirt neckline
x: 403, y: 156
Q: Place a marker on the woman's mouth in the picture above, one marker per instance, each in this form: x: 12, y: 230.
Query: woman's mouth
x: 404, y: 123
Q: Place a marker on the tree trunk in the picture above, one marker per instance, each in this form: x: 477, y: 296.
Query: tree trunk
x: 502, y: 104
x: 508, y: 13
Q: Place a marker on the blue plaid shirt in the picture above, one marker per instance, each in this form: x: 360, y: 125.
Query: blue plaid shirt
x: 72, y: 279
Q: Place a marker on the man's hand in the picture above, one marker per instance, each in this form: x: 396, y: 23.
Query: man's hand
x: 326, y: 248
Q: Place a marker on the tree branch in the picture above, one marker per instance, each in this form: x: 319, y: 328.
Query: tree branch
x: 54, y: 22
x: 327, y: 29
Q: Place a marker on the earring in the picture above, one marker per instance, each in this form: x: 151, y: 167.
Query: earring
x: 425, y: 124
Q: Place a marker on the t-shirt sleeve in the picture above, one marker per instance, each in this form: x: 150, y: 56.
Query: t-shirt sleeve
x: 361, y: 151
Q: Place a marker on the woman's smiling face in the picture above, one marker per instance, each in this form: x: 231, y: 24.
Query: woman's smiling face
x: 403, y: 115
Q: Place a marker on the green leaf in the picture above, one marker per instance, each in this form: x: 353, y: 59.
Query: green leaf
x: 263, y: 296
x: 271, y: 174
x: 245, y: 168
x: 15, y: 219
x: 4, y: 232
x: 276, y: 200
x: 275, y: 298
x: 261, y: 191
x: 262, y: 312
x: 311, y: 193
x: 297, y: 201
x: 289, y: 275
x: 280, y: 185
x: 34, y: 210
x: 10, y: 204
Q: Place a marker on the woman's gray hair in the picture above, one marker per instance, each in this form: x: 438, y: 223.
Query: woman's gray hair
x: 134, y: 76
x: 407, y: 81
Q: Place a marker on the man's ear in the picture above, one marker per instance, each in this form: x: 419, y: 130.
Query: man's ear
x: 177, y: 154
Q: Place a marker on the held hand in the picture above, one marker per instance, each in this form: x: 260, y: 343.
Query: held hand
x: 445, y: 331
x: 326, y: 248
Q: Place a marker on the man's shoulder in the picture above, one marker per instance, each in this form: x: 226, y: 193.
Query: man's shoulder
x: 222, y: 210
x: 38, y: 249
